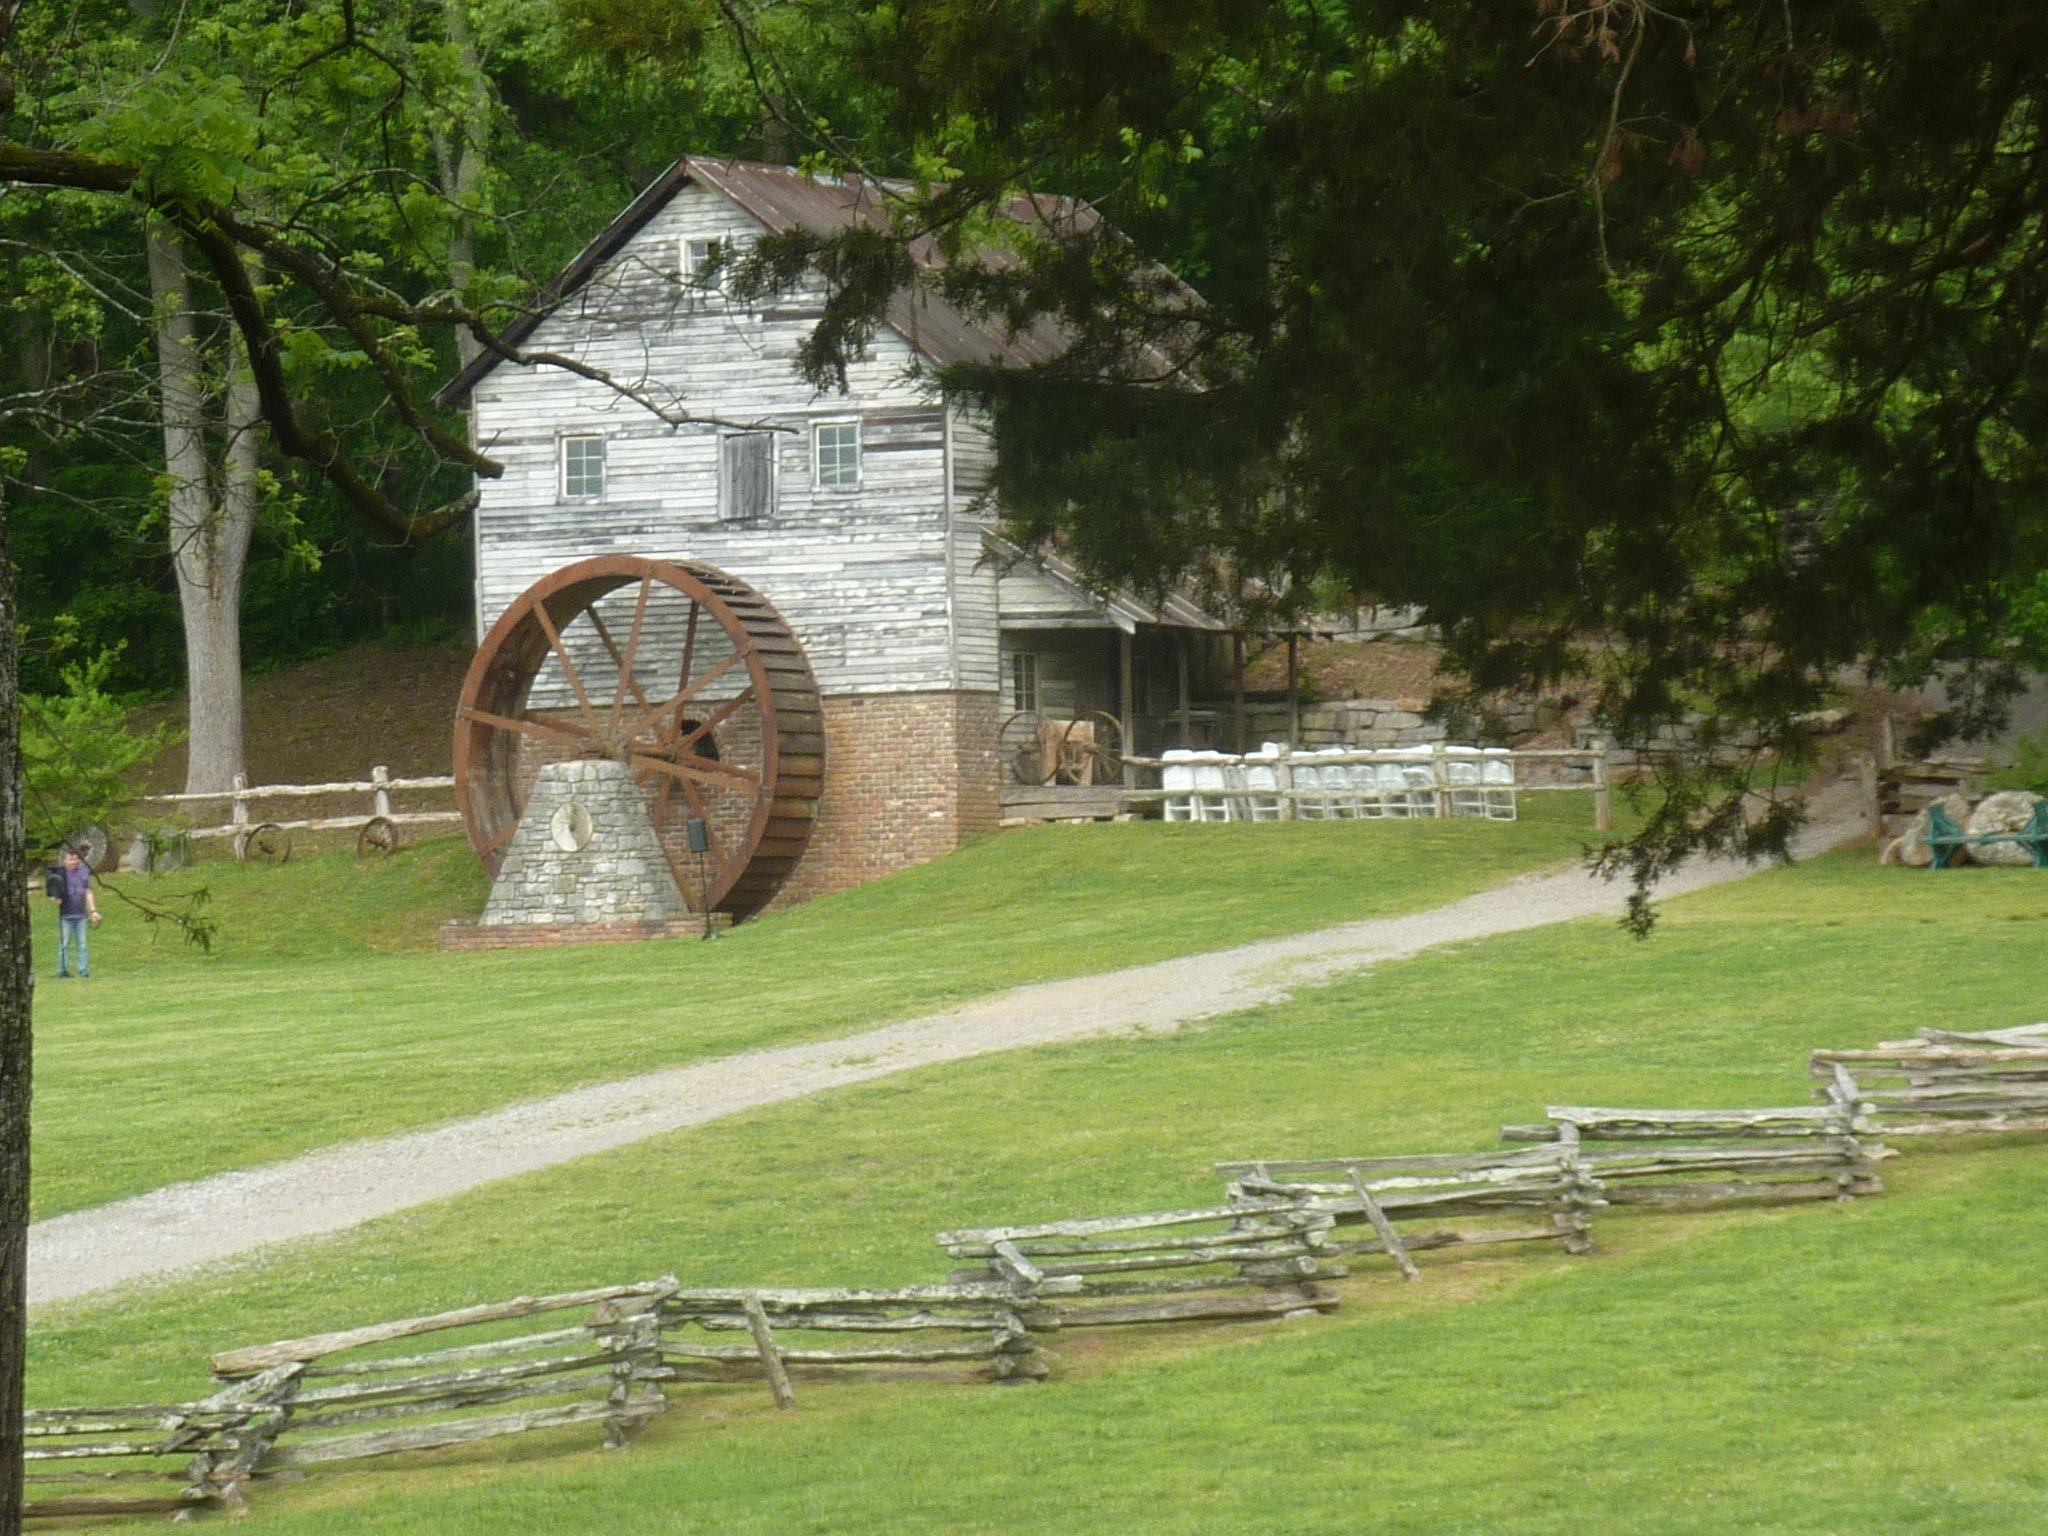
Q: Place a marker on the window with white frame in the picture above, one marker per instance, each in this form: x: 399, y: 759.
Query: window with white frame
x: 835, y: 455
x: 583, y: 467
x: 1023, y: 680
x: 746, y: 477
x: 702, y: 254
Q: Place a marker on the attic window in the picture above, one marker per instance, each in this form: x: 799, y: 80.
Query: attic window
x: 746, y: 477
x: 699, y: 257
x: 583, y: 467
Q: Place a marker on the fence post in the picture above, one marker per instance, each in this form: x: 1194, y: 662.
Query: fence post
x: 1873, y: 792
x: 238, y: 817
x: 1440, y: 779
x: 1603, y: 789
x: 380, y: 801
x: 1283, y: 773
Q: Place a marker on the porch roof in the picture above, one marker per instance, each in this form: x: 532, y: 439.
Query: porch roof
x: 1119, y: 609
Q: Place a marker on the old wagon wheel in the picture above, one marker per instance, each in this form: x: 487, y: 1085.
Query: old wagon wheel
x: 1092, y: 750
x: 680, y: 671
x: 1022, y: 746
x: 378, y: 838
x: 266, y: 843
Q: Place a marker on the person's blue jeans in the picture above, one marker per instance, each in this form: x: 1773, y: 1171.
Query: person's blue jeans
x: 70, y: 940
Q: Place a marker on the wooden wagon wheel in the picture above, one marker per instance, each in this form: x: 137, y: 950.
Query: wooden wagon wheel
x: 1021, y: 746
x: 378, y: 838
x: 266, y: 843
x: 1092, y: 750
x: 680, y: 671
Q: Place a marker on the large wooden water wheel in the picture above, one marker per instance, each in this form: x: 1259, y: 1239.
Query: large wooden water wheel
x: 682, y: 672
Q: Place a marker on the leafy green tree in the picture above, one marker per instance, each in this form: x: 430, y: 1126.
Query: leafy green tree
x: 1689, y: 352
x: 77, y: 750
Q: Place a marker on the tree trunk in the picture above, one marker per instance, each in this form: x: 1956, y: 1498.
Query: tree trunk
x: 209, y: 536
x: 17, y: 982
x: 460, y: 158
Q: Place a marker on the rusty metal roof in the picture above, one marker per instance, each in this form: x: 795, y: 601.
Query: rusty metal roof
x: 783, y: 198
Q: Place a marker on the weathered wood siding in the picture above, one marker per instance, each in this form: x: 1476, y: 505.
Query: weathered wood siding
x: 879, y: 583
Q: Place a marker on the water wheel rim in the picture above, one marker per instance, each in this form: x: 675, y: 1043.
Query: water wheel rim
x: 763, y: 647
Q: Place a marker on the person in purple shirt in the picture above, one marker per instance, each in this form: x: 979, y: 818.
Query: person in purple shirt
x: 76, y: 912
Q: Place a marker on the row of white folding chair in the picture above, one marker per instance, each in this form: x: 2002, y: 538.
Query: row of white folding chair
x: 1210, y: 786
x: 1327, y: 790
x: 1198, y: 786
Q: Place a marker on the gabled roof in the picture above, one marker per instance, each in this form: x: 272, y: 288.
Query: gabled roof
x: 1125, y: 609
x: 782, y: 199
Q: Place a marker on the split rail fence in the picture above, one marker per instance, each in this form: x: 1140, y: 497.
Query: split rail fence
x: 1285, y: 1229
x: 243, y: 823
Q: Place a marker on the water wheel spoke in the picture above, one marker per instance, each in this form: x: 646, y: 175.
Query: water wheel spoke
x: 624, y: 660
x: 682, y: 696
x: 716, y: 718
x: 704, y: 770
x: 547, y: 624
x: 689, y: 645
x: 691, y: 690
x: 502, y: 838
x: 537, y: 726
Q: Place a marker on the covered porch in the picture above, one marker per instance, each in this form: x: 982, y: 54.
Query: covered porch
x: 1089, y: 679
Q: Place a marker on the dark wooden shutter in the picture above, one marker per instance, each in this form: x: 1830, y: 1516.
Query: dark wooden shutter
x: 746, y: 477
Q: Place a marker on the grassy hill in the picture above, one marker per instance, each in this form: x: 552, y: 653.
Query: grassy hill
x: 1870, y: 1369
x: 323, y: 1012
x: 336, y: 718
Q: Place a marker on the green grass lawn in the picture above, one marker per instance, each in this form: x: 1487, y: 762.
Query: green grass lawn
x: 1816, y: 1370
x: 324, y: 1013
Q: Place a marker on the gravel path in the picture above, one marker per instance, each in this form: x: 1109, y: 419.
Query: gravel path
x: 183, y: 1226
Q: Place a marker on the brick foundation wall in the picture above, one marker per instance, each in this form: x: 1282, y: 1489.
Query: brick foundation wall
x: 908, y: 777
x: 472, y: 936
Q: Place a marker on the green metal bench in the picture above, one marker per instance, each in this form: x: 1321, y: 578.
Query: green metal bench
x: 1947, y: 839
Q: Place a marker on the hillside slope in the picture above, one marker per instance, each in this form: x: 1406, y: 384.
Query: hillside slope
x: 336, y: 718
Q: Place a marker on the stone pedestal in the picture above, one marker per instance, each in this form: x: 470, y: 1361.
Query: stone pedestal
x: 585, y: 856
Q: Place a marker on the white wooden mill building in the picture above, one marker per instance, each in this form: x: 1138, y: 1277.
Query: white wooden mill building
x: 859, y: 515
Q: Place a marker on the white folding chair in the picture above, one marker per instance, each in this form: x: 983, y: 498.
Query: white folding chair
x: 1498, y: 772
x: 1365, y: 791
x: 1421, y: 781
x: 1262, y: 783
x: 1212, y: 788
x: 1177, y: 778
x: 1337, y: 788
x: 1309, y: 804
x: 1393, y: 789
x: 1462, y: 771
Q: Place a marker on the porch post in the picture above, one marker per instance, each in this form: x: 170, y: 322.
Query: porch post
x: 1293, y: 688
x: 1126, y: 693
x: 1237, y: 684
x: 1187, y: 718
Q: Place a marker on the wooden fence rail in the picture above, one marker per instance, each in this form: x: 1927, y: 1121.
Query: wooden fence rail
x: 1496, y: 1190
x: 1946, y: 1084
x: 1259, y: 1258
x: 242, y: 822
